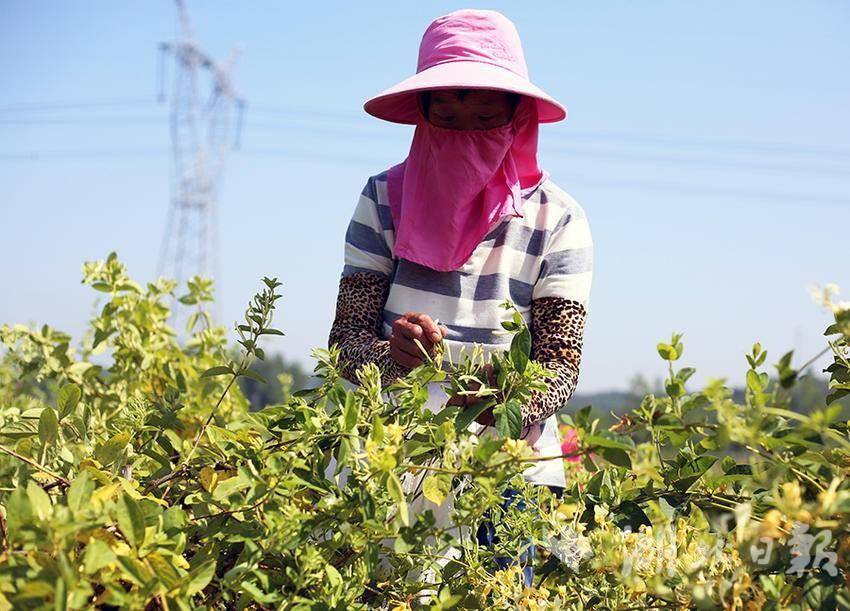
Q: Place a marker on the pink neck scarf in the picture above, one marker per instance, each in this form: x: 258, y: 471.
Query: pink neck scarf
x: 456, y: 185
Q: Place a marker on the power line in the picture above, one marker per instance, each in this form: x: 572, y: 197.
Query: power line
x: 553, y: 148
x: 732, y: 164
x: 681, y: 189
x: 359, y: 160
x: 81, y: 154
x: 349, y: 119
x: 558, y: 148
x: 754, y: 146
x: 743, y: 145
x: 78, y: 104
x: 130, y: 120
x: 711, y: 190
x: 363, y: 131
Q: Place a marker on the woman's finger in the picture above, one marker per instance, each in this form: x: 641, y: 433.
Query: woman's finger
x: 410, y: 347
x: 430, y: 328
x: 403, y: 358
x: 410, y: 331
x: 405, y: 345
x: 403, y: 327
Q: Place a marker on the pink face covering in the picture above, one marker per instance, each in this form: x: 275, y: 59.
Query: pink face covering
x: 456, y: 185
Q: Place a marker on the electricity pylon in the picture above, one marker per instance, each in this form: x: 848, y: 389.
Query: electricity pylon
x: 206, y: 119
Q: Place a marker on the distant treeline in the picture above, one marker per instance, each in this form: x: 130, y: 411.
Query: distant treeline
x: 809, y: 393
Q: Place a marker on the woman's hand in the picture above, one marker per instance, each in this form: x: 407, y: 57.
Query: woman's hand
x: 410, y: 326
x: 486, y: 417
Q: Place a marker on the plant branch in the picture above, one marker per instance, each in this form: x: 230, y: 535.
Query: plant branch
x: 35, y: 465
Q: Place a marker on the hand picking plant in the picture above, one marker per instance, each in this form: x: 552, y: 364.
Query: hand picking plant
x: 134, y: 475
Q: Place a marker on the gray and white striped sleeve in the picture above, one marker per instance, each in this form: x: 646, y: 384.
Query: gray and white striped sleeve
x: 559, y: 309
x: 566, y: 269
x: 366, y: 243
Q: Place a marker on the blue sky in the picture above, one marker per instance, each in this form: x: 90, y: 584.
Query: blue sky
x: 709, y: 143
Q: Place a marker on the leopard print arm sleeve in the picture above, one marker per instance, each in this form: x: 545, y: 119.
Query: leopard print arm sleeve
x: 557, y: 330
x: 359, y: 309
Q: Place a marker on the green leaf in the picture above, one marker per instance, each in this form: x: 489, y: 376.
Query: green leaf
x: 436, y: 487
x: 378, y: 431
x: 394, y: 487
x: 620, y: 442
x: 192, y: 320
x: 80, y: 492
x: 675, y: 388
x: 219, y: 370
x: 397, y: 494
x: 469, y: 414
x: 521, y: 349
x: 508, y: 419
x: 98, y: 555
x: 67, y: 399
x: 48, y: 426
x: 616, y: 456
x: 134, y: 570
x: 692, y: 471
x: 173, y: 519
x: 835, y: 394
x: 100, y: 335
x: 247, y: 373
x: 684, y: 374
x: 19, y: 511
x: 334, y: 578
x: 271, y: 283
x: 667, y: 352
x: 60, y: 595
x: 108, y: 452
x: 39, y: 501
x: 630, y: 514
x: 787, y: 378
x: 832, y: 329
x: 165, y: 570
x: 351, y: 412
x: 130, y: 520
x: 582, y: 416
x: 200, y: 577
x: 271, y: 332
x: 754, y: 381
x: 342, y: 454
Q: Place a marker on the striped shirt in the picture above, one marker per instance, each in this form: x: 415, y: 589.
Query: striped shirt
x: 548, y: 252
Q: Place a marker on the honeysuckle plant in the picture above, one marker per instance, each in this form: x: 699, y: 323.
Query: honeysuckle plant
x: 134, y: 475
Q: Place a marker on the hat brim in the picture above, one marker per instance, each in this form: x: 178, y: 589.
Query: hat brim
x: 398, y: 103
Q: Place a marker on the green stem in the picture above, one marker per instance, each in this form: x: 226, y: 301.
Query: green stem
x: 35, y: 465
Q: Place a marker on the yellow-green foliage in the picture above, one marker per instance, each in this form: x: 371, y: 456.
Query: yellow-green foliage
x: 134, y: 475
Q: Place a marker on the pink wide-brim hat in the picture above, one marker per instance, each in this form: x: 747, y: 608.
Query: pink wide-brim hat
x: 470, y: 49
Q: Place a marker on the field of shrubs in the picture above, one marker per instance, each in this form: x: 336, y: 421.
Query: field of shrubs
x: 133, y: 474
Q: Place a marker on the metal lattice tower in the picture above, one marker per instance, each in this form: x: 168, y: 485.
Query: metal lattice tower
x: 206, y: 119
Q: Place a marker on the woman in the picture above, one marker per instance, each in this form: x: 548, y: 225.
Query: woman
x: 468, y: 220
